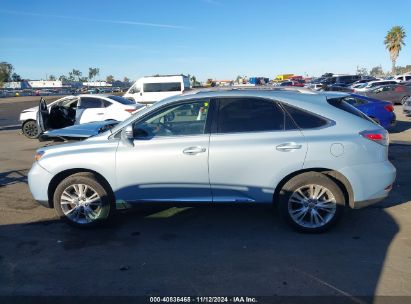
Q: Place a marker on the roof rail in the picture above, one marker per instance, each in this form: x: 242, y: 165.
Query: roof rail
x: 251, y: 88
x: 158, y: 75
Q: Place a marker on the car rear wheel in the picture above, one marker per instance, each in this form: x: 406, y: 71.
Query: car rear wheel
x: 83, y: 201
x: 311, y: 202
x: 404, y: 99
x: 30, y: 129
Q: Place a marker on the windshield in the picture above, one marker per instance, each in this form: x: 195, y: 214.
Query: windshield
x: 141, y: 113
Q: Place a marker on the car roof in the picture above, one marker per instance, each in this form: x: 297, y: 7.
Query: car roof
x: 278, y: 93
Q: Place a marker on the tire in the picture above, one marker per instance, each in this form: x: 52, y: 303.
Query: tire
x: 30, y: 129
x: 404, y: 99
x: 307, y: 214
x: 98, y: 209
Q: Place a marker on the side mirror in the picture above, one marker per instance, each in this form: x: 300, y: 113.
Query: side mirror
x: 128, y: 132
x: 127, y: 136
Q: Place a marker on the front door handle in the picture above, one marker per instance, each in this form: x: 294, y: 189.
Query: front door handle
x: 287, y: 147
x: 100, y: 113
x: 194, y: 150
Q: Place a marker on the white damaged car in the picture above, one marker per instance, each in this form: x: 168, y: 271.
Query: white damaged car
x: 73, y: 110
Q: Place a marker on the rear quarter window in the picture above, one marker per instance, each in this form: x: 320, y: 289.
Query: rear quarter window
x: 342, y: 104
x: 305, y: 119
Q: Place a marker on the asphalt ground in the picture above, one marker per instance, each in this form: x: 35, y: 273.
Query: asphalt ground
x: 205, y: 251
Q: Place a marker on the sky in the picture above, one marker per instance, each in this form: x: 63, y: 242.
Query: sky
x: 217, y: 39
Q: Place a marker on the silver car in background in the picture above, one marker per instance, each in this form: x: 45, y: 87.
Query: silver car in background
x: 310, y: 154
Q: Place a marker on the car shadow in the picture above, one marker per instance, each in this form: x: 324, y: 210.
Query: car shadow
x: 13, y: 177
x: 198, y: 250
x: 401, y: 126
x: 10, y: 128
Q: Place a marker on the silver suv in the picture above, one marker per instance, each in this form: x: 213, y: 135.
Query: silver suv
x: 311, y: 154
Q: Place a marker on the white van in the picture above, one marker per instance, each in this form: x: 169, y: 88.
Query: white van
x: 403, y: 78
x: 148, y: 90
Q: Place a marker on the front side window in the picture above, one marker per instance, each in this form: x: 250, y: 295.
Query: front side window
x: 183, y: 119
x: 69, y: 102
x: 249, y: 115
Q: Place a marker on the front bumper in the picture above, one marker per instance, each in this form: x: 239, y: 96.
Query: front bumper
x: 39, y: 181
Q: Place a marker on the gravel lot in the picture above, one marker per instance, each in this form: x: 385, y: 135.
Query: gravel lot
x: 208, y: 251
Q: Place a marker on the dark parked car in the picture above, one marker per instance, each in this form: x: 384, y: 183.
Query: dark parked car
x: 337, y: 88
x: 395, y: 93
x: 342, y: 80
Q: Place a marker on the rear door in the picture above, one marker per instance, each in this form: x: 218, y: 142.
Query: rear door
x: 90, y: 109
x: 253, y: 145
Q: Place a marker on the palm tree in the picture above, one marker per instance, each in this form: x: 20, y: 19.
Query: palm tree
x: 394, y: 40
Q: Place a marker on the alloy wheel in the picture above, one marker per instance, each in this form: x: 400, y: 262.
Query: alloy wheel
x: 312, y: 206
x: 30, y: 129
x: 81, y: 204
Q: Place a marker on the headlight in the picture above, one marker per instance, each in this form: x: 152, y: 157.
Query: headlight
x: 38, y: 155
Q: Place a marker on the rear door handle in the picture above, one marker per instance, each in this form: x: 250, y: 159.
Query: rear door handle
x: 287, y: 147
x: 100, y: 113
x: 194, y: 150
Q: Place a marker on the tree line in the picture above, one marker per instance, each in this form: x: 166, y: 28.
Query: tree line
x: 7, y: 74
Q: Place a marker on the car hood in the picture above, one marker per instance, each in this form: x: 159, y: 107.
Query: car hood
x: 33, y: 109
x: 82, y: 130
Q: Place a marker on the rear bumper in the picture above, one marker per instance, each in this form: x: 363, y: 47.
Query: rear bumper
x: 366, y: 203
x: 370, y: 183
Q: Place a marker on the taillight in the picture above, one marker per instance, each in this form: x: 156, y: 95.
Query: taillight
x: 130, y: 110
x: 389, y: 108
x: 378, y: 136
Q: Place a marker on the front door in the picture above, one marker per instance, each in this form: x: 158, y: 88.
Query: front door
x: 168, y: 160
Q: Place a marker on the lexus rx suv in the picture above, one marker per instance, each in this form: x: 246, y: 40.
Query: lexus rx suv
x: 309, y: 154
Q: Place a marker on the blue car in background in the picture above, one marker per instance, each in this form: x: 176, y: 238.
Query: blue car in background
x: 379, y: 110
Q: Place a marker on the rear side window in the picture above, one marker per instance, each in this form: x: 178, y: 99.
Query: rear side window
x: 343, y: 105
x: 249, y: 115
x: 162, y: 87
x: 305, y: 119
x: 89, y: 102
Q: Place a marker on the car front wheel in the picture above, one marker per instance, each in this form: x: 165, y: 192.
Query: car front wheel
x: 311, y: 202
x: 83, y: 201
x: 30, y: 129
